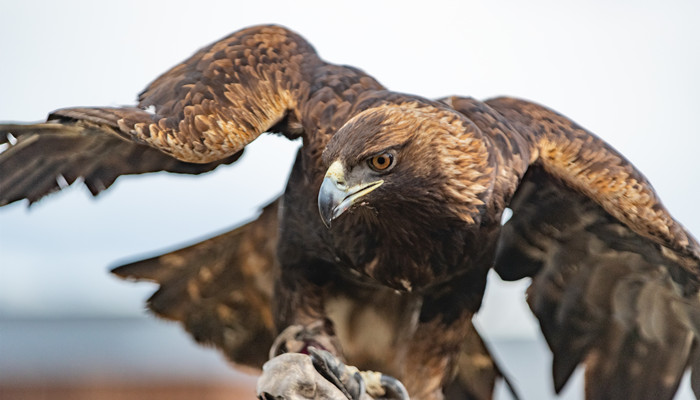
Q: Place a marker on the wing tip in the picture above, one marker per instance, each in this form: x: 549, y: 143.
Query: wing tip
x: 142, y: 270
x: 563, y: 367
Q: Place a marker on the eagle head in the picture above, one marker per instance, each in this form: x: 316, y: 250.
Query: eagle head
x: 413, y: 158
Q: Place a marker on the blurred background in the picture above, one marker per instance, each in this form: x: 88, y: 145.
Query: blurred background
x: 626, y: 70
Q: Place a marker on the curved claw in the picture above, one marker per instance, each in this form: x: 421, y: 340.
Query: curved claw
x: 337, y: 373
x: 352, y: 382
x: 393, y: 388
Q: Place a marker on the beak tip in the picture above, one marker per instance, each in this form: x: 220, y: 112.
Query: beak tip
x: 328, y: 198
x: 326, y: 222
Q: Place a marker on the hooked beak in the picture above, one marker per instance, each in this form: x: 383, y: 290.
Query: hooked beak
x: 336, y: 196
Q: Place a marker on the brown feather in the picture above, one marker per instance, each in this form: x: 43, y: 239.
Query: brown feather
x: 227, y: 94
x: 73, y: 150
x: 220, y: 289
x: 572, y: 231
x: 587, y: 164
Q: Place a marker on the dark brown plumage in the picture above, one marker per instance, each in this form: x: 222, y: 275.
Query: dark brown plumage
x: 412, y: 191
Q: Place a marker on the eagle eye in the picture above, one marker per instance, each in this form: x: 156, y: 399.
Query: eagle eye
x: 381, y: 162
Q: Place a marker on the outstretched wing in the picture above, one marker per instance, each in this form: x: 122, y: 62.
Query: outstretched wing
x: 220, y: 289
x: 204, y: 111
x: 43, y: 158
x: 614, y: 276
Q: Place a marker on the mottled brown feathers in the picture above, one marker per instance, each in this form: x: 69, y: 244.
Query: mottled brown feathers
x: 48, y: 157
x: 203, y: 111
x: 227, y: 94
x: 220, y: 289
x: 599, y: 291
x: 587, y: 164
x: 402, y: 269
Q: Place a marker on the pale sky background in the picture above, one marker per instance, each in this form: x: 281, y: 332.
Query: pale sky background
x: 627, y: 70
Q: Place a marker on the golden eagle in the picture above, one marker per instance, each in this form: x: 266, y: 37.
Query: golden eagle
x: 378, y: 249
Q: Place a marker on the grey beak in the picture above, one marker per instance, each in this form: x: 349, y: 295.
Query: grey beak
x: 336, y: 196
x: 330, y: 197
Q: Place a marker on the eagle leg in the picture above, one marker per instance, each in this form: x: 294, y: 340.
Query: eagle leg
x: 299, y: 338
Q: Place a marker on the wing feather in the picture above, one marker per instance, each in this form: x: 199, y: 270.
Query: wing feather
x: 41, y: 154
x: 220, y: 289
x: 227, y: 94
x: 587, y: 164
x: 205, y: 111
x: 604, y: 296
x: 614, y: 277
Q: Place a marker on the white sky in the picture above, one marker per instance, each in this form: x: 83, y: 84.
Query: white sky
x: 626, y: 70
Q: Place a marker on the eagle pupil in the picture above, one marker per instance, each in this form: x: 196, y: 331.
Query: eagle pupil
x: 381, y: 162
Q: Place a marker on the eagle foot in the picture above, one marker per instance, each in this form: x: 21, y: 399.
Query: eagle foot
x: 322, y: 376
x: 354, y: 383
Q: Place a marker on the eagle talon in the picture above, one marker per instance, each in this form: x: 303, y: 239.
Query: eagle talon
x: 351, y: 384
x: 393, y: 388
x: 357, y: 385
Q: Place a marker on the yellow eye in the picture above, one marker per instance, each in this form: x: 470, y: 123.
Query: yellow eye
x: 381, y: 162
